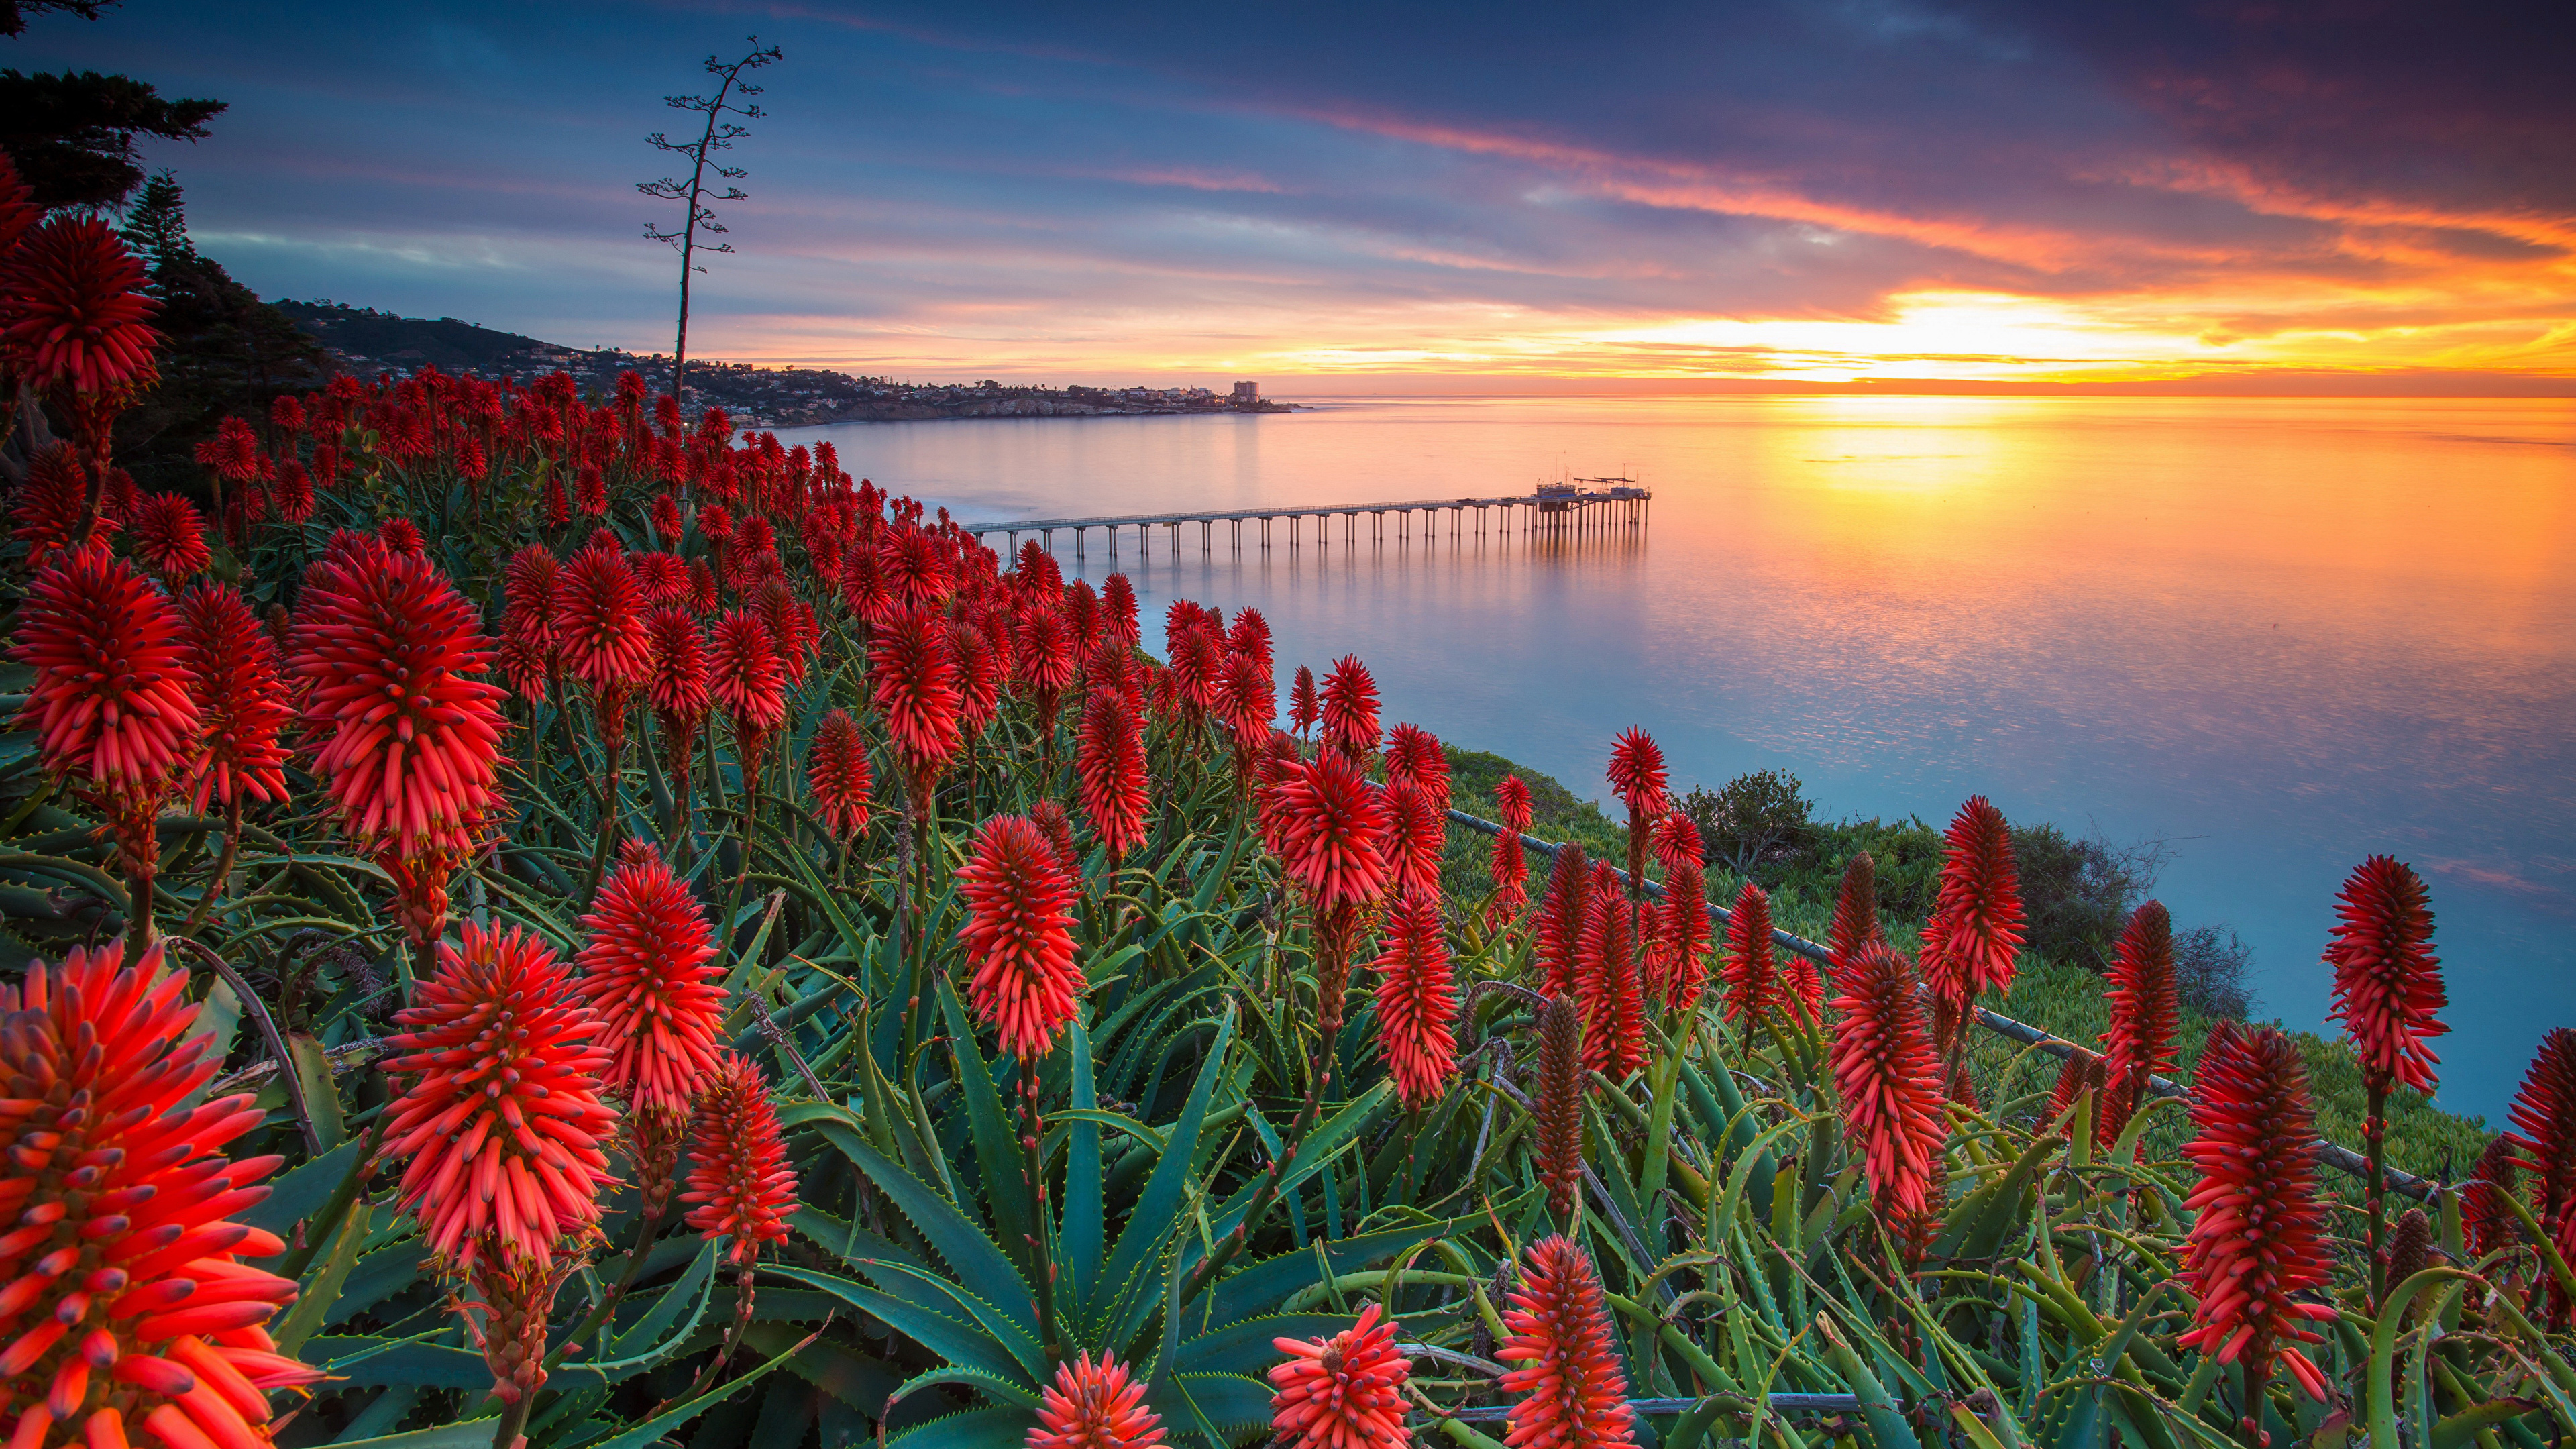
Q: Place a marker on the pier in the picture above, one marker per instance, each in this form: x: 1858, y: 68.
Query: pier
x: 1562, y: 511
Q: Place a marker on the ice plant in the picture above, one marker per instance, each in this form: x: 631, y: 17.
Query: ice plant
x: 499, y: 1112
x: 410, y: 745
x: 109, y: 699
x: 2259, y: 1234
x: 1559, y: 1105
x: 1889, y: 1082
x: 1094, y: 1406
x: 913, y: 666
x: 1561, y: 911
x: 128, y: 1313
x: 1576, y: 1396
x: 649, y: 972
x: 1349, y: 710
x: 1019, y: 937
x: 1342, y: 1392
x: 1109, y: 767
x: 169, y: 538
x: 240, y: 690
x: 2146, y: 1008
x: 1752, y: 980
x: 837, y: 774
x: 1417, y: 1001
x: 742, y: 1186
x: 2544, y: 1134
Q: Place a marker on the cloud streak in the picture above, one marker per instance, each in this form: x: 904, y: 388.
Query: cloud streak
x: 1849, y: 193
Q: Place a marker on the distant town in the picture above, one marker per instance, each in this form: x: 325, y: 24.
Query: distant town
x: 365, y: 341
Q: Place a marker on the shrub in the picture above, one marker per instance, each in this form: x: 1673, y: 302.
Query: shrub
x: 2210, y: 965
x: 1756, y: 819
x: 2078, y: 891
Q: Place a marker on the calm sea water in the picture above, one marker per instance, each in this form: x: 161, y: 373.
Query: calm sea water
x: 2280, y: 635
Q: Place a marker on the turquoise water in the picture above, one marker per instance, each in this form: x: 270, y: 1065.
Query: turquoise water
x: 2278, y: 634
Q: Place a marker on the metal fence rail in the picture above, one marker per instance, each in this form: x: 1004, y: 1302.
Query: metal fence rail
x: 2331, y: 1154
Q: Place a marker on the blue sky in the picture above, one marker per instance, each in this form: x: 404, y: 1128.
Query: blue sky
x: 1724, y: 193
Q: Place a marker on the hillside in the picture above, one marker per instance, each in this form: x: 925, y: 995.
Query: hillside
x: 366, y: 341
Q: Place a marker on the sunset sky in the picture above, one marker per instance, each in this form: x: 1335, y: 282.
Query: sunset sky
x: 2314, y: 195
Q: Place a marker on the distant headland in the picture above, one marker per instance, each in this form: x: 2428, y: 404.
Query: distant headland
x: 363, y: 340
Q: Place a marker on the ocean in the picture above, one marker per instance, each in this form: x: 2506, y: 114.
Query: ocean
x: 2278, y: 635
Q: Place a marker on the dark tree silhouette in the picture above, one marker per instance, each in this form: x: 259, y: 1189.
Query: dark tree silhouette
x: 73, y: 135
x: 731, y: 99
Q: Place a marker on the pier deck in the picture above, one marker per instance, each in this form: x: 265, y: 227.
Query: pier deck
x: 1549, y: 513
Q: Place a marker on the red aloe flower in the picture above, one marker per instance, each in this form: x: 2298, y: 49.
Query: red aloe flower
x: 72, y: 320
x: 1019, y: 935
x: 702, y: 588
x: 1560, y: 1334
x: 1342, y: 1392
x: 1855, y: 909
x: 744, y: 676
x: 590, y: 490
x: 1889, y: 1082
x: 649, y: 972
x: 1677, y: 842
x: 1051, y: 821
x: 1303, y: 706
x: 979, y: 677
x: 401, y: 535
x: 836, y: 770
x: 1614, y: 1008
x: 1681, y: 936
x: 1981, y: 901
x: 294, y: 492
x: 676, y: 684
x: 1510, y: 871
x: 240, y: 691
x: 2486, y: 1224
x: 410, y: 746
x: 1559, y: 1105
x: 2146, y: 1007
x: 1094, y: 1406
x: 1109, y: 765
x: 742, y: 1183
x: 1082, y: 615
x: 1331, y: 825
x: 1414, y: 753
x: 532, y: 580
x: 1561, y: 912
x: 916, y: 569
x: 51, y: 503
x: 1512, y: 801
x: 664, y: 519
x: 1118, y: 611
x: 501, y: 1116
x: 1752, y: 980
x: 1249, y: 703
x: 2544, y: 1133
x: 915, y: 674
x: 2078, y: 1072
x: 2259, y: 1236
x: 111, y: 700
x: 2388, y: 982
x: 170, y: 538
x: 599, y: 627
x: 129, y: 1308
x: 1044, y: 659
x: 1417, y: 1001
x: 1350, y: 708
x: 791, y: 625
x: 1415, y: 836
x: 1636, y: 772
x: 661, y: 578
x: 1250, y: 635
